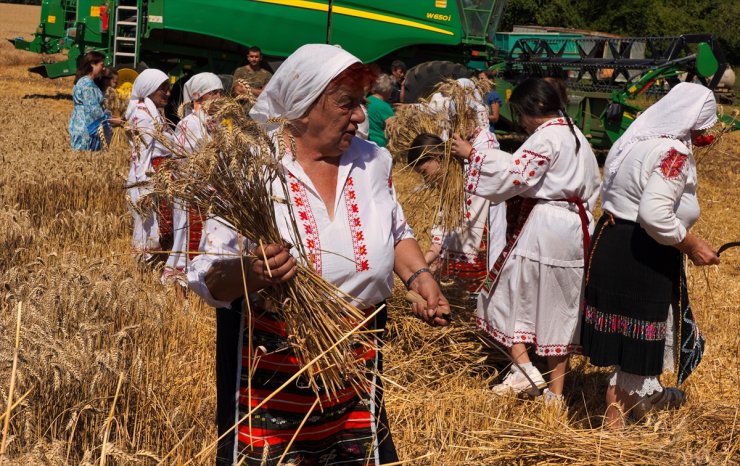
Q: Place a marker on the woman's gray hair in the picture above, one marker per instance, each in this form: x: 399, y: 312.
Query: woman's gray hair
x: 383, y: 85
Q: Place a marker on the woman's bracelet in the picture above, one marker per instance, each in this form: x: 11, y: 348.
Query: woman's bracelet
x: 415, y: 275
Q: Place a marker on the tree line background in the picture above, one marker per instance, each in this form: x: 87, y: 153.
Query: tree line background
x: 626, y: 17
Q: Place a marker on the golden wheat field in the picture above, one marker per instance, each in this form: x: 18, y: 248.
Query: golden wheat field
x: 112, y: 368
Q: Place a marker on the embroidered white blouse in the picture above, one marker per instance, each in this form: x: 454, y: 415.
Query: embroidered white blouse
x: 146, y: 147
x: 463, y: 245
x: 191, y: 130
x: 545, y: 167
x: 656, y: 187
x: 354, y: 250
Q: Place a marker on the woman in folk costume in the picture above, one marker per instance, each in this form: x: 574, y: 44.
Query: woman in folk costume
x: 533, y: 291
x: 463, y: 254
x: 349, y: 219
x: 149, y: 93
x: 635, y: 285
x: 191, y: 132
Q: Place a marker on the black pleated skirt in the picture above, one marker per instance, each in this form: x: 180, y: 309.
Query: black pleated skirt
x: 631, y: 282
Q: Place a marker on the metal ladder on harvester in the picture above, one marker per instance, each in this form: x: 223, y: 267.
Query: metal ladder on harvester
x: 70, y: 14
x: 126, y: 34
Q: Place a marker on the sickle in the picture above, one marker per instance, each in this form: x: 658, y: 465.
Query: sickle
x: 726, y: 246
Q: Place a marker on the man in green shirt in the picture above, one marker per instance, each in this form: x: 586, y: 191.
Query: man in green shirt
x: 252, y: 73
x: 379, y: 111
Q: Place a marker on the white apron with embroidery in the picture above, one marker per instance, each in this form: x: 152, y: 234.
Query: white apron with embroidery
x: 190, y: 134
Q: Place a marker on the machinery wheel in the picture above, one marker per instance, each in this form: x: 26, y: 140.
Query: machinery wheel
x: 421, y: 79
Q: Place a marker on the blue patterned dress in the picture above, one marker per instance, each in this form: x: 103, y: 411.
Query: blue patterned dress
x: 88, y: 107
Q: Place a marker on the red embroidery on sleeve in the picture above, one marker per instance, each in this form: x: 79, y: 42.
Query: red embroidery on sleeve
x: 527, y: 164
x: 672, y: 163
x: 473, y: 172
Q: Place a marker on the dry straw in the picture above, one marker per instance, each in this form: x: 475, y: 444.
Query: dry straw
x: 238, y: 177
x: 6, y: 416
x: 447, y: 112
x: 116, y: 102
x: 89, y: 314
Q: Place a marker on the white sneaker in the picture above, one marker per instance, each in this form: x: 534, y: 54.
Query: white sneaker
x: 516, y: 383
x: 551, y: 399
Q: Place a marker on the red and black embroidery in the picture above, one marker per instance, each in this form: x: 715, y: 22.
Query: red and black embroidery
x: 307, y: 219
x: 521, y: 336
x: 355, y: 226
x: 182, y: 138
x: 672, y: 164
x: 517, y: 213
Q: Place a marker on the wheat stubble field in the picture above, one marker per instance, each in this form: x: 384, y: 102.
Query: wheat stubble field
x: 112, y: 368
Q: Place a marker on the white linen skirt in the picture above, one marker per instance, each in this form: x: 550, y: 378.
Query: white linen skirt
x: 537, y: 298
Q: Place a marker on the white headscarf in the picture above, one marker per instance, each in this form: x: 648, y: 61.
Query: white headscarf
x: 475, y: 101
x: 300, y: 80
x: 472, y: 90
x: 145, y: 85
x: 200, y: 85
x: 685, y: 108
x: 441, y: 103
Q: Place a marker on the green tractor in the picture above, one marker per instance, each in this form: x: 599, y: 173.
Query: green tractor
x: 438, y: 38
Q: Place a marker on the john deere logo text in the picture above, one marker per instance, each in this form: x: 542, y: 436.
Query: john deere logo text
x: 439, y: 17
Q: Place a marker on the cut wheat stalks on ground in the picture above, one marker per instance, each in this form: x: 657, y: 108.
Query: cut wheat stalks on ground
x: 89, y: 314
x: 447, y: 112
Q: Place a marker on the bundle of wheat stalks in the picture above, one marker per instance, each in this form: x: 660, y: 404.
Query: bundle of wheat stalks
x: 448, y: 115
x: 238, y: 178
x: 116, y: 102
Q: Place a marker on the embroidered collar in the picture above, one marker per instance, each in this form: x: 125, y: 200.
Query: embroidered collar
x: 559, y: 121
x: 347, y: 161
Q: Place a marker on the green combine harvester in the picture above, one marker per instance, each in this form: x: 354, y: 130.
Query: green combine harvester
x: 439, y: 38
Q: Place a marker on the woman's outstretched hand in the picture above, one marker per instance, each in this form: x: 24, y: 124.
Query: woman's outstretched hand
x: 434, y: 309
